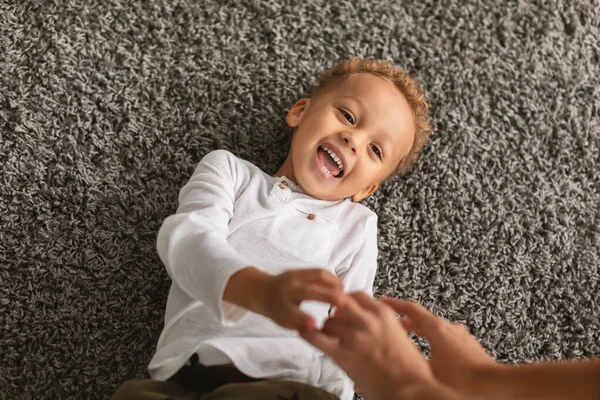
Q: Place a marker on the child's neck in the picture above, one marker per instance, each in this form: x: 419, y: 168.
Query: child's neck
x: 286, y: 170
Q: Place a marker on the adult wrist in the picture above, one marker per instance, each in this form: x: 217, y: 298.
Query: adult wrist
x: 426, y: 389
x: 485, y: 380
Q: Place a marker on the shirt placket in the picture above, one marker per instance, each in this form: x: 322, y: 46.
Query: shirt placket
x: 281, y: 190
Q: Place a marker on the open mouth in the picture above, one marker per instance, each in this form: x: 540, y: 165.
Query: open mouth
x: 331, y: 163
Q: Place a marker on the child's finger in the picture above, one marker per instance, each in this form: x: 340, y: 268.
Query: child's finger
x: 347, y: 333
x: 336, y: 328
x: 318, y: 293
x: 298, y: 320
x: 327, y: 344
x: 321, y: 276
x: 309, y: 324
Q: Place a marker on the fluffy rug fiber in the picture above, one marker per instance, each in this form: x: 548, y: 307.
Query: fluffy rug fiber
x: 106, y: 107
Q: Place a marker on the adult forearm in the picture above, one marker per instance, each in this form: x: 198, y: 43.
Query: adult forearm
x: 427, y: 391
x: 566, y: 380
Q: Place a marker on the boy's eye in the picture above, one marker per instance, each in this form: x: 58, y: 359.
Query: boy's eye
x: 376, y: 151
x: 348, y: 116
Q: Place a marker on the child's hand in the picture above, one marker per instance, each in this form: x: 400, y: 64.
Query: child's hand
x: 283, y: 294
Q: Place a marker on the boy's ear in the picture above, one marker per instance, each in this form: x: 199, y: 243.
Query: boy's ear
x: 366, y: 192
x: 294, y: 116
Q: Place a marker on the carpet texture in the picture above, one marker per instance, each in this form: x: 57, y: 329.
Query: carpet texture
x: 106, y: 107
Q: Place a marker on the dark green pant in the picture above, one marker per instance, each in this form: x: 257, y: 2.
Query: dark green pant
x: 198, y: 382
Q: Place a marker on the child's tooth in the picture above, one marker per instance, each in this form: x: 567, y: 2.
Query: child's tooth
x: 335, y: 157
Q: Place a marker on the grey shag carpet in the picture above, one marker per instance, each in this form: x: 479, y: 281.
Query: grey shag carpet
x: 106, y: 106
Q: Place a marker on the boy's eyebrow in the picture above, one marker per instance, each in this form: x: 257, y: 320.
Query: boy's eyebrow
x: 356, y: 99
x: 387, y: 142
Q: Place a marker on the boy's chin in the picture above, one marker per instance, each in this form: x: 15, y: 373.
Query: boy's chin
x: 320, y: 191
x: 328, y: 197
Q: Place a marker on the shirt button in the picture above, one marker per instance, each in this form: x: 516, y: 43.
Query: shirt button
x: 281, y: 186
x: 284, y: 183
x: 311, y: 216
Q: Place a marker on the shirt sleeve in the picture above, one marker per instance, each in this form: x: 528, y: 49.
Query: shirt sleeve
x: 192, y: 243
x: 360, y: 274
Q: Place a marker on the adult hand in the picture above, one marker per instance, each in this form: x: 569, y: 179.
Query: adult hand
x: 456, y: 356
x: 365, y: 339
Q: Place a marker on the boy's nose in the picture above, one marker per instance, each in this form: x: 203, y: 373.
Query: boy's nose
x: 350, y: 143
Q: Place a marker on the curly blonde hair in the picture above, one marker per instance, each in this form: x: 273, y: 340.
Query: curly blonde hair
x: 408, y: 86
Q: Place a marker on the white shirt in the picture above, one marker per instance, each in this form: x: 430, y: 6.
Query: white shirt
x: 232, y: 215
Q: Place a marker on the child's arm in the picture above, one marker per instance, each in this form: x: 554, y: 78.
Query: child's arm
x: 278, y: 297
x: 193, y: 242
x: 193, y: 246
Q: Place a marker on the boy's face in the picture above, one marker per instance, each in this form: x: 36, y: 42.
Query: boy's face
x: 348, y: 138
